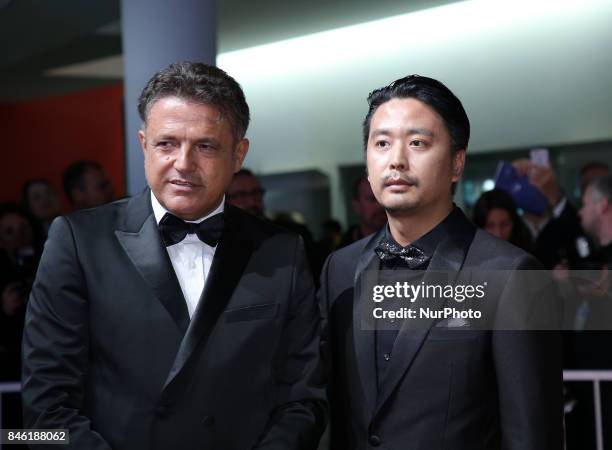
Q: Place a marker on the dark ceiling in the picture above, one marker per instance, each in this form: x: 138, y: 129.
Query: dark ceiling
x: 38, y: 35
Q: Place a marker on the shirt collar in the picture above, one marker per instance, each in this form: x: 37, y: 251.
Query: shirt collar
x: 430, y: 240
x: 159, y: 210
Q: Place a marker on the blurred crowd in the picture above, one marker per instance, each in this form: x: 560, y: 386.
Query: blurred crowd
x: 23, y: 230
x: 563, y: 236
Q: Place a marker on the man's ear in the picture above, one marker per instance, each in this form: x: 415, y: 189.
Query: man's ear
x: 143, y: 140
x: 458, y: 165
x: 240, y: 153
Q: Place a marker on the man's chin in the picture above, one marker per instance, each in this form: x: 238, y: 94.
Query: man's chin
x: 399, y: 207
x: 188, y: 212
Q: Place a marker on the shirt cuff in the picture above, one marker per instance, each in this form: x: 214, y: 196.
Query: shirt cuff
x: 559, y: 207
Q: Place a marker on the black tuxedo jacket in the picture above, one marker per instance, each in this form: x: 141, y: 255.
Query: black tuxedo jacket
x: 557, y: 240
x: 109, y: 351
x: 443, y: 389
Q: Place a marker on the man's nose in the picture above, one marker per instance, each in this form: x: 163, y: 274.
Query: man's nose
x: 184, y: 159
x: 399, y: 159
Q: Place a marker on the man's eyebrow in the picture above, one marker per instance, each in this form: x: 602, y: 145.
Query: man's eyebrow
x: 380, y: 131
x: 207, y: 140
x: 423, y: 131
x: 164, y: 137
x: 408, y: 132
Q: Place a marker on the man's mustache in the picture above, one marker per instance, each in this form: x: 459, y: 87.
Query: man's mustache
x: 391, y: 177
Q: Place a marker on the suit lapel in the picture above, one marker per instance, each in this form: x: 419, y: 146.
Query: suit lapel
x: 363, y: 337
x: 231, y: 257
x: 448, y: 257
x: 141, y: 242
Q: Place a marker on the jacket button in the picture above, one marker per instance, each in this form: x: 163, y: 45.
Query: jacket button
x: 161, y: 410
x: 375, y: 440
x: 208, y: 421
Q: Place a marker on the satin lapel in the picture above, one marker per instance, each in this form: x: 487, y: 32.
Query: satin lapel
x: 363, y: 339
x: 448, y: 257
x: 141, y: 242
x: 231, y: 257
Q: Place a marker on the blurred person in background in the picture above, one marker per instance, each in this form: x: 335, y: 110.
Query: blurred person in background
x: 41, y: 201
x: 331, y: 237
x: 557, y: 230
x: 20, y: 248
x: 589, y: 314
x: 86, y: 185
x: 19, y: 255
x: 596, y: 215
x: 371, y: 214
x: 13, y: 294
x: 245, y: 192
x: 294, y: 221
x: 595, y: 307
x: 495, y: 212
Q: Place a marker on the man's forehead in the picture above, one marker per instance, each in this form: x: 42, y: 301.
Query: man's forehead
x: 406, y: 112
x: 589, y: 193
x: 184, y: 109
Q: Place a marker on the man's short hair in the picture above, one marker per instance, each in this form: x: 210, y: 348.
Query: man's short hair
x: 594, y: 165
x: 244, y: 172
x: 74, y: 174
x: 603, y: 187
x: 200, y: 83
x: 432, y: 93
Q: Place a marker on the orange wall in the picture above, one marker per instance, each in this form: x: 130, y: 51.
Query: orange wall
x: 42, y: 137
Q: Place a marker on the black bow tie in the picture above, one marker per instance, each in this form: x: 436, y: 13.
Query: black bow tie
x: 173, y: 230
x: 412, y: 256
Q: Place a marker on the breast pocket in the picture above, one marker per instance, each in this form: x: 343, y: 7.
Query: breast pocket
x: 454, y: 334
x: 252, y: 312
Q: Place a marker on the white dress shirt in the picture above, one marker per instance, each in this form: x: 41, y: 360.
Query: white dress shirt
x: 191, y: 258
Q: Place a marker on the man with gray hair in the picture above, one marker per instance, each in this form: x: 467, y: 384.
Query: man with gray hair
x: 171, y: 319
x: 590, y: 310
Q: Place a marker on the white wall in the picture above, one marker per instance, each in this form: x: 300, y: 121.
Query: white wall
x: 528, y: 73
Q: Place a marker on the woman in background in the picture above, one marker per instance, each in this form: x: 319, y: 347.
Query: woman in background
x: 496, y: 212
x: 42, y: 202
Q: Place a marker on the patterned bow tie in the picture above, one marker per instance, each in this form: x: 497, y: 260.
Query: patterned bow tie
x: 173, y: 230
x: 412, y: 256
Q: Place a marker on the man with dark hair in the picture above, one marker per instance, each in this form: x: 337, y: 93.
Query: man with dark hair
x: 429, y: 384
x: 245, y: 192
x: 86, y: 185
x: 173, y: 320
x: 41, y: 201
x: 371, y: 213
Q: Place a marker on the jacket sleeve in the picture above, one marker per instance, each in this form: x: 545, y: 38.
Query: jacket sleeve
x: 528, y: 363
x: 300, y: 416
x: 56, y: 343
